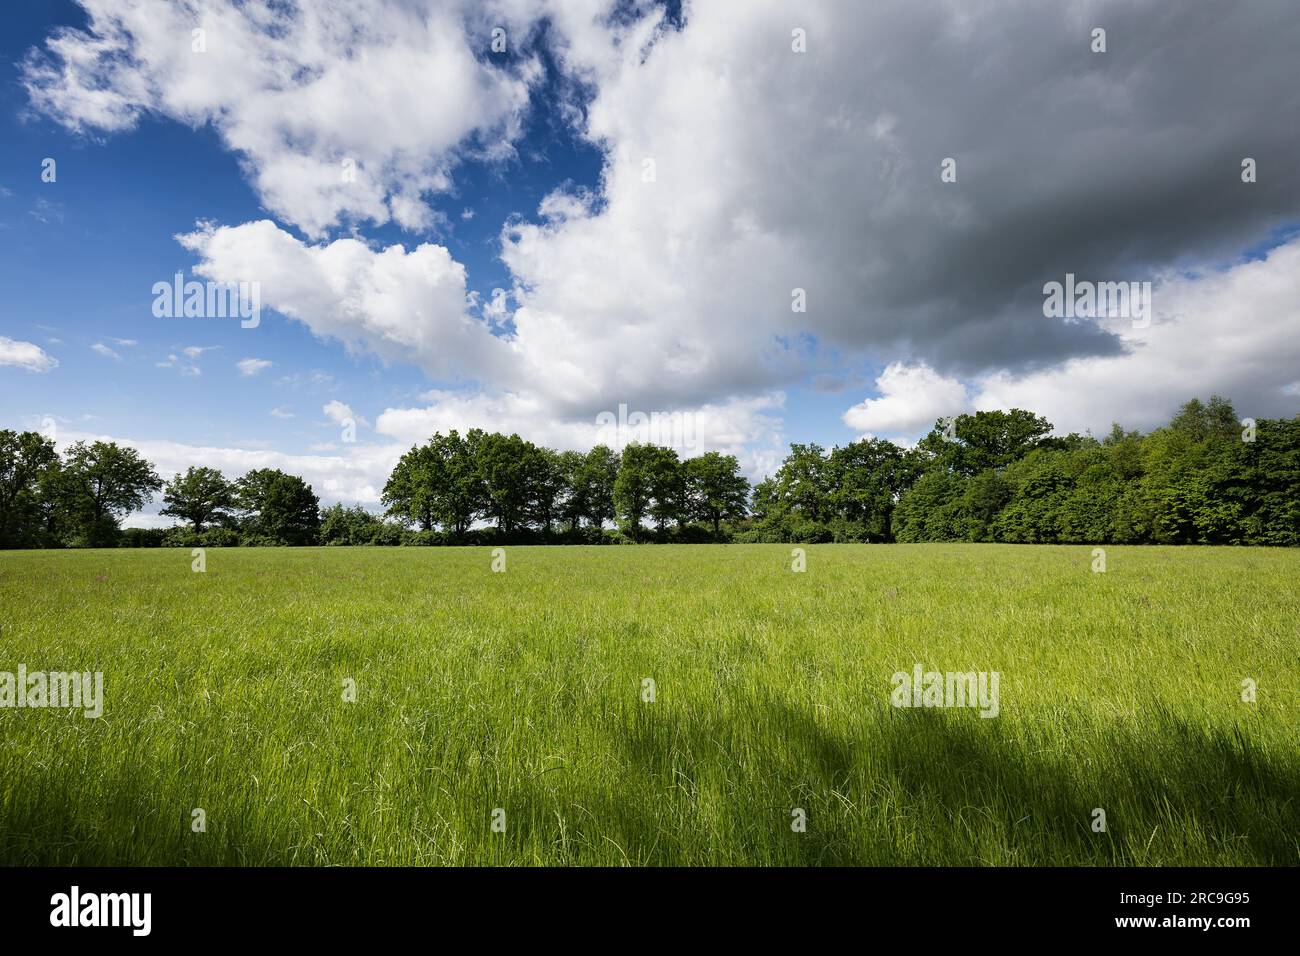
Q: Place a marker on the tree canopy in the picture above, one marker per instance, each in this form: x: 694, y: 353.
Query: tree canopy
x: 1205, y: 478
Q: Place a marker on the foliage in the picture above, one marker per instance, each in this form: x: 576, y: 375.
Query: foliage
x: 26, y: 461
x: 199, y: 495
x: 1000, y: 476
x: 278, y: 507
x: 98, y: 484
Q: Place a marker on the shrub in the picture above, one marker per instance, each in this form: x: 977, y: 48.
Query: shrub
x: 142, y: 537
x: 180, y: 537
x: 385, y: 534
x: 219, y: 538
x: 422, y: 539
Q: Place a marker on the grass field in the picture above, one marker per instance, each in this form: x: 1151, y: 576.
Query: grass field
x: 523, y: 691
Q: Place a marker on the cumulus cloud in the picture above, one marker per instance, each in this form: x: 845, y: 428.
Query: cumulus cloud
x: 338, y: 412
x: 104, y: 350
x: 775, y: 170
x: 293, y: 90
x: 25, y: 355
x: 403, y: 306
x: 735, y: 172
x: 1235, y: 332
x: 912, y: 398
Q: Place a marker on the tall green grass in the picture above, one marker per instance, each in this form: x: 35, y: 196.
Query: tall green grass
x: 523, y: 691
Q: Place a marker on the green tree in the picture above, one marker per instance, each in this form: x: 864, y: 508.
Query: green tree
x: 411, y: 492
x: 598, y: 476
x: 715, y: 489
x: 1201, y: 422
x: 1185, y: 468
x: 804, y: 481
x: 26, y: 461
x: 633, y: 488
x: 573, y: 503
x: 460, y: 494
x: 1270, y: 466
x: 198, y: 496
x: 766, y: 506
x: 547, y: 485
x: 353, y: 526
x: 866, y: 477
x: 99, y: 484
x: 667, y: 488
x: 931, y: 509
x: 994, y: 439
x: 438, y: 482
x: 279, y: 506
x: 984, y: 496
x: 506, y: 464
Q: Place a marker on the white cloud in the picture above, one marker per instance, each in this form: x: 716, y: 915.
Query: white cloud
x: 281, y: 412
x: 25, y: 355
x: 338, y: 412
x: 912, y: 398
x: 1235, y: 332
x: 748, y: 428
x: 402, y: 306
x: 773, y: 171
x: 251, y: 366
x: 497, y: 308
x: 104, y: 350
x: 293, y: 90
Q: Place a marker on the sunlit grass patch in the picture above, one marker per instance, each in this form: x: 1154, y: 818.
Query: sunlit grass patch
x: 524, y: 692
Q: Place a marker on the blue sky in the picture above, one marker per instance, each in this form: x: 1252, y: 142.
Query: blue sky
x: 776, y: 168
x: 83, y: 252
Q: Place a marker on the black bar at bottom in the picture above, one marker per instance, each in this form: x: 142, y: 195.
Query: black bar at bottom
x: 337, y: 905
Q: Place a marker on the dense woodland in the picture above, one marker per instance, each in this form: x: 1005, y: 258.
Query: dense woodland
x: 1205, y: 478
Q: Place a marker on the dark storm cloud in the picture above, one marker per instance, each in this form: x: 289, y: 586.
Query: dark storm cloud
x: 1112, y: 166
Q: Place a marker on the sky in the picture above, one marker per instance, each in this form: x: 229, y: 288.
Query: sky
x: 777, y: 221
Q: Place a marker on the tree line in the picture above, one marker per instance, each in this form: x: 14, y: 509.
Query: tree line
x: 1205, y: 478
x: 78, y: 500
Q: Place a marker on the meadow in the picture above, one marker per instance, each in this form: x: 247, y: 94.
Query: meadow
x: 520, y: 699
